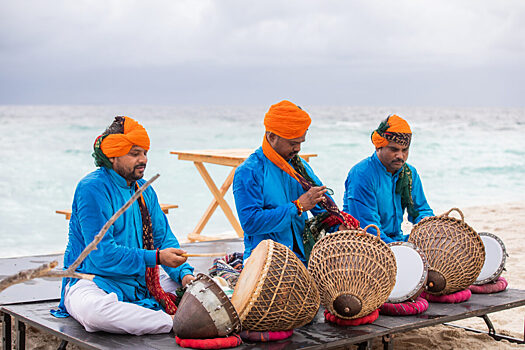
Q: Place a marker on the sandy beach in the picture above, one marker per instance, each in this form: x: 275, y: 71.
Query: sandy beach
x: 504, y: 220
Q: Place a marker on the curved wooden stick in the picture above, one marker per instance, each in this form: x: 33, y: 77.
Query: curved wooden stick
x: 45, y: 270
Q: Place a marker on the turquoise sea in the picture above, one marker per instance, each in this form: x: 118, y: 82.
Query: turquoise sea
x: 465, y: 157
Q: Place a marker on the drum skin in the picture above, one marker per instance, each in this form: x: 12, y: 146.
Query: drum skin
x: 495, y: 257
x: 454, y: 251
x: 274, y: 291
x: 412, y: 272
x: 354, y: 271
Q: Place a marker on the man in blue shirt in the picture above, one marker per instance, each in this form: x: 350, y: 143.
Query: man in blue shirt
x: 125, y: 295
x: 379, y: 188
x: 274, y: 187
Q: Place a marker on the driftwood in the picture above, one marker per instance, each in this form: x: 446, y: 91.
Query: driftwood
x: 46, y: 270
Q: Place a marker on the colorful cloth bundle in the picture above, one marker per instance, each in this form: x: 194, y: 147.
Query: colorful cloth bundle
x: 371, y: 317
x: 215, y: 343
x: 229, y: 268
x: 458, y: 297
x: 406, y: 308
x: 492, y: 287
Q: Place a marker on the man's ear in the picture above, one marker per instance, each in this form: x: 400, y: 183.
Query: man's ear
x: 271, y: 137
x: 112, y: 160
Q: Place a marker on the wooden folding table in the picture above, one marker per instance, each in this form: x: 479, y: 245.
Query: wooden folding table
x: 227, y: 157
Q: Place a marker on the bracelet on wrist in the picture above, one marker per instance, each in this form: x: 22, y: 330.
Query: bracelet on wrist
x: 158, y: 257
x: 300, y: 209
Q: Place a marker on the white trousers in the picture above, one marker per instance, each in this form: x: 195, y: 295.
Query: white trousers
x: 97, y: 310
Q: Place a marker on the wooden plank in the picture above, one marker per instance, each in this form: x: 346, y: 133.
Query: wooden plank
x: 317, y: 334
x: 164, y: 207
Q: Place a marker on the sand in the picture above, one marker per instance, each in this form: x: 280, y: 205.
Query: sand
x: 504, y: 220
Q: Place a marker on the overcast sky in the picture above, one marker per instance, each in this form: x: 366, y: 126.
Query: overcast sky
x: 376, y: 53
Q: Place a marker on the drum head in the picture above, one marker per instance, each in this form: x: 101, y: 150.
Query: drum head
x: 250, y: 275
x: 495, y: 255
x: 412, y: 271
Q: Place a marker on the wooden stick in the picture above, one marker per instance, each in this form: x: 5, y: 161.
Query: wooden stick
x: 45, y: 269
x: 203, y: 254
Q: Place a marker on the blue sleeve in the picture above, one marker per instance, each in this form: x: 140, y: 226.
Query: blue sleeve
x: 360, y: 201
x: 164, y: 238
x: 254, y: 218
x: 109, y: 259
x: 317, y: 209
x: 420, y: 201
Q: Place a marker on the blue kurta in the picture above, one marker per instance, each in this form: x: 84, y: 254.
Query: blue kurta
x: 263, y: 197
x: 370, y: 197
x: 119, y: 262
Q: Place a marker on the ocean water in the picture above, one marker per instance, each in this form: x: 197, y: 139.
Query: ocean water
x: 465, y: 157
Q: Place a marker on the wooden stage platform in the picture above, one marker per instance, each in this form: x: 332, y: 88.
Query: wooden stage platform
x: 317, y: 334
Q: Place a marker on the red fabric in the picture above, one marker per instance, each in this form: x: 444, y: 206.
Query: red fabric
x: 265, y: 336
x: 492, y: 287
x: 406, y: 308
x: 349, y: 220
x: 453, y: 298
x: 355, y: 322
x: 213, y: 343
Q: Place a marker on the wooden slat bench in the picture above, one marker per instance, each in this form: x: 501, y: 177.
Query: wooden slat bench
x: 165, y: 208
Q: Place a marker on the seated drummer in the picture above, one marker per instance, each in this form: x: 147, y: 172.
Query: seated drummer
x: 118, y: 300
x: 270, y: 202
x: 379, y: 188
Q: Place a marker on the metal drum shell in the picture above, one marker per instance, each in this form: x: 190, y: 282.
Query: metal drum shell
x: 501, y: 267
x: 205, y: 311
x: 353, y: 263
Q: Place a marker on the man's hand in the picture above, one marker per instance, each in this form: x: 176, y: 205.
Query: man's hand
x: 314, y: 195
x: 172, y: 257
x: 342, y: 227
x: 187, y: 279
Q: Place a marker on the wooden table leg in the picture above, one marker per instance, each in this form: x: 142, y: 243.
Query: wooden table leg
x: 20, y: 335
x: 217, y: 201
x: 6, y: 331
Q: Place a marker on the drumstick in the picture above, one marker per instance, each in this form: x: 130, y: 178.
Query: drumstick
x: 203, y: 254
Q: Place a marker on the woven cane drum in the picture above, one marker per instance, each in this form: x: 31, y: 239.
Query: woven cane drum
x: 454, y: 251
x: 274, y: 291
x: 354, y: 271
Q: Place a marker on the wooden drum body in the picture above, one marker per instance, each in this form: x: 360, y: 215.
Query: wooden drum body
x: 354, y: 271
x: 274, y: 291
x: 454, y: 251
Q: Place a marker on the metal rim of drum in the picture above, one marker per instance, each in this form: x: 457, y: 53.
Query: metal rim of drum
x: 500, y: 269
x: 423, y: 278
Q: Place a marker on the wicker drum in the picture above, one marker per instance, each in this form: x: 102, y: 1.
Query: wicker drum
x: 354, y: 271
x: 454, y: 251
x: 274, y: 292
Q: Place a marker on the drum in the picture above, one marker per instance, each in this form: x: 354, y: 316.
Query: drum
x: 454, y: 251
x: 274, y: 291
x: 354, y: 270
x: 205, y: 311
x: 412, y: 272
x: 495, y: 257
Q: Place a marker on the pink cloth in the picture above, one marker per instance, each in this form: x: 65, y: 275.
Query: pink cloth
x: 492, y: 287
x: 453, y: 298
x: 265, y: 336
x: 355, y: 322
x: 406, y: 308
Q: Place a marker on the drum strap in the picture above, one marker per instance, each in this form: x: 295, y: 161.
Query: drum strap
x: 167, y: 300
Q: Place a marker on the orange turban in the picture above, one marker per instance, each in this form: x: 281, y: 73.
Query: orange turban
x: 117, y: 145
x: 287, y: 120
x: 393, y: 128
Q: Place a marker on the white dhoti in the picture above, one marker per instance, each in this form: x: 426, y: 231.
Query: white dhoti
x: 97, y: 310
